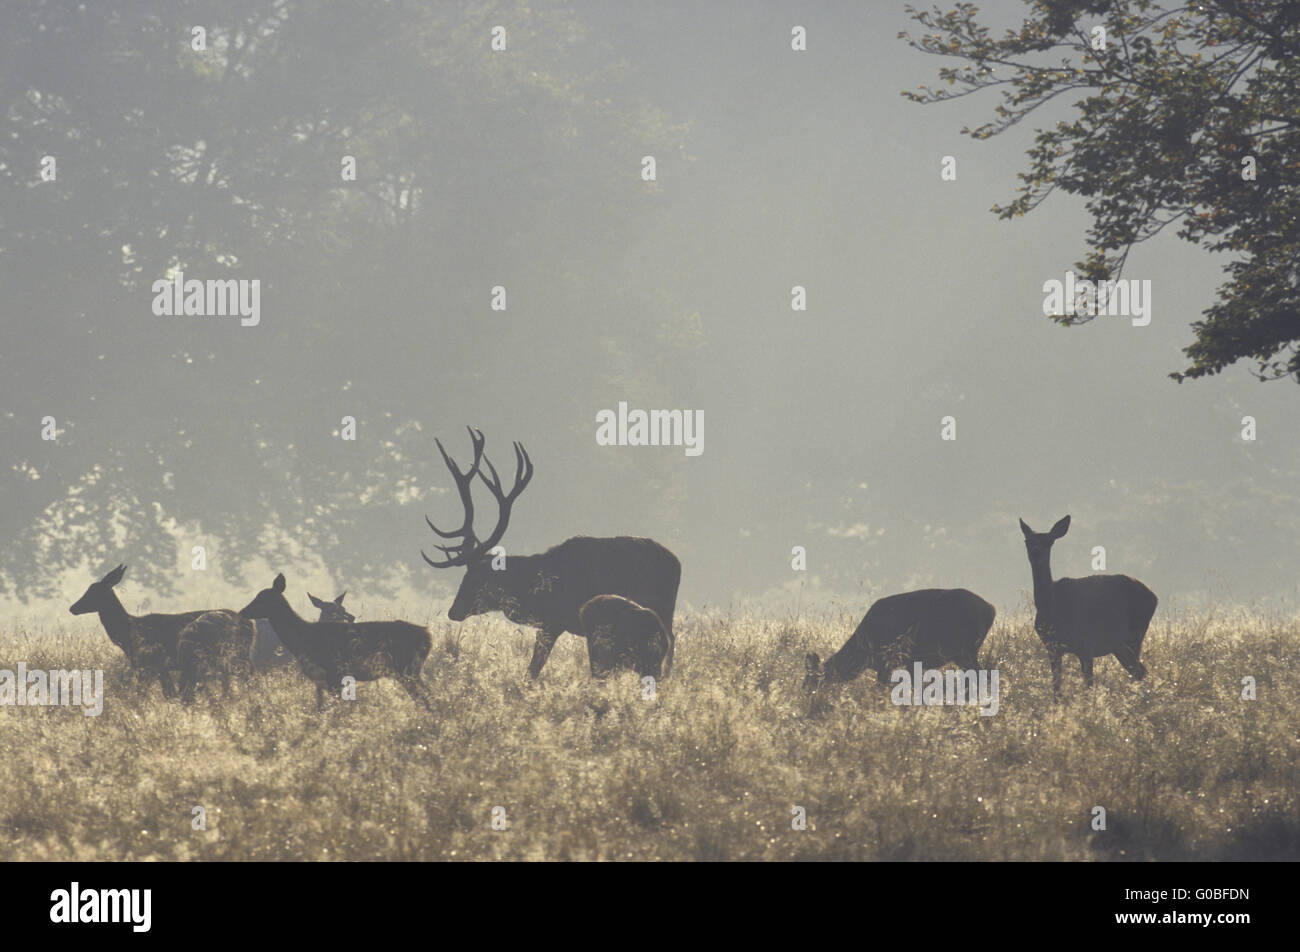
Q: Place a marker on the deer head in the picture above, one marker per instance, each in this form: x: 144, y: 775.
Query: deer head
x: 99, y: 595
x: 481, y: 590
x: 269, y: 602
x: 332, y: 611
x: 1039, y: 544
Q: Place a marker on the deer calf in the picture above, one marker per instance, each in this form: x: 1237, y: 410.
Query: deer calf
x: 218, y: 641
x: 934, y: 626
x: 327, y: 652
x: 623, y: 635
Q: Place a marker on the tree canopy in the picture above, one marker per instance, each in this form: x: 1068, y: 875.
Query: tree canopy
x: 1186, y: 116
x: 222, y: 159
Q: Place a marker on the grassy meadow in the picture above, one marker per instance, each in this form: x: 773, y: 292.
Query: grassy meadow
x: 708, y: 770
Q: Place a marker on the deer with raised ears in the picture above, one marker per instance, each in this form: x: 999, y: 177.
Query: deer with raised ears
x: 934, y: 626
x: 270, y: 652
x: 327, y: 652
x: 547, y: 591
x: 149, y: 641
x: 332, y: 611
x: 1086, y: 617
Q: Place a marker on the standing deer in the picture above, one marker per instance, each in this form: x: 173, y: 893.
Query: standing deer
x: 933, y: 626
x: 149, y: 641
x: 270, y: 652
x: 546, y: 591
x: 327, y: 652
x: 217, y: 641
x: 1086, y: 617
x: 623, y: 635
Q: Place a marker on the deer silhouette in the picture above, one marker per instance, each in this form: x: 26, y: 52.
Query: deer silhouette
x: 547, y: 591
x: 219, y: 642
x: 623, y: 635
x: 933, y: 625
x: 149, y: 641
x: 269, y: 651
x: 327, y: 652
x: 1086, y: 617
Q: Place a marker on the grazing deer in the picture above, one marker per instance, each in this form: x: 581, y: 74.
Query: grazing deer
x: 1086, y: 617
x: 217, y: 641
x: 546, y: 591
x: 934, y: 626
x: 329, y: 651
x: 149, y: 641
x: 622, y: 634
x: 270, y: 652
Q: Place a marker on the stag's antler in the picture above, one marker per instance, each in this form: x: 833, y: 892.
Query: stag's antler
x: 470, y: 548
x: 463, y: 483
x: 523, y: 473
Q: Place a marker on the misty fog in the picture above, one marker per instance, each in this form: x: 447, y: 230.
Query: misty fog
x: 523, y: 170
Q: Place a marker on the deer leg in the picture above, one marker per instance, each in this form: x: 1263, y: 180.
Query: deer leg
x: 668, y: 658
x: 187, y: 679
x: 1127, y: 656
x: 415, y: 687
x: 1085, y: 665
x: 600, y: 666
x: 320, y: 698
x: 1056, y: 674
x: 541, y: 651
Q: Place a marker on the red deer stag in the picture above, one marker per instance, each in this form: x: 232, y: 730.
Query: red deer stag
x: 547, y: 591
x: 1086, y: 617
x: 269, y: 652
x: 327, y: 652
x: 218, y: 641
x: 149, y: 641
x: 623, y: 635
x: 933, y: 626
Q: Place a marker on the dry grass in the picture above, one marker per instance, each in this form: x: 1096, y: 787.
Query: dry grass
x: 709, y: 770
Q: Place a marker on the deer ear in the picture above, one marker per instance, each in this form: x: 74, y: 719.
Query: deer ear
x: 812, y: 663
x: 115, y: 576
x: 1025, y: 529
x: 339, y: 600
x: 316, y: 601
x: 278, y: 584
x: 1060, y: 528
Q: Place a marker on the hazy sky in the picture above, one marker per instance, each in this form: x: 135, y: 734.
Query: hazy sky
x: 811, y: 169
x: 822, y: 427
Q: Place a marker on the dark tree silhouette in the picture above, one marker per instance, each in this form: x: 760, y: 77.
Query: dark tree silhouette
x: 1169, y: 107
